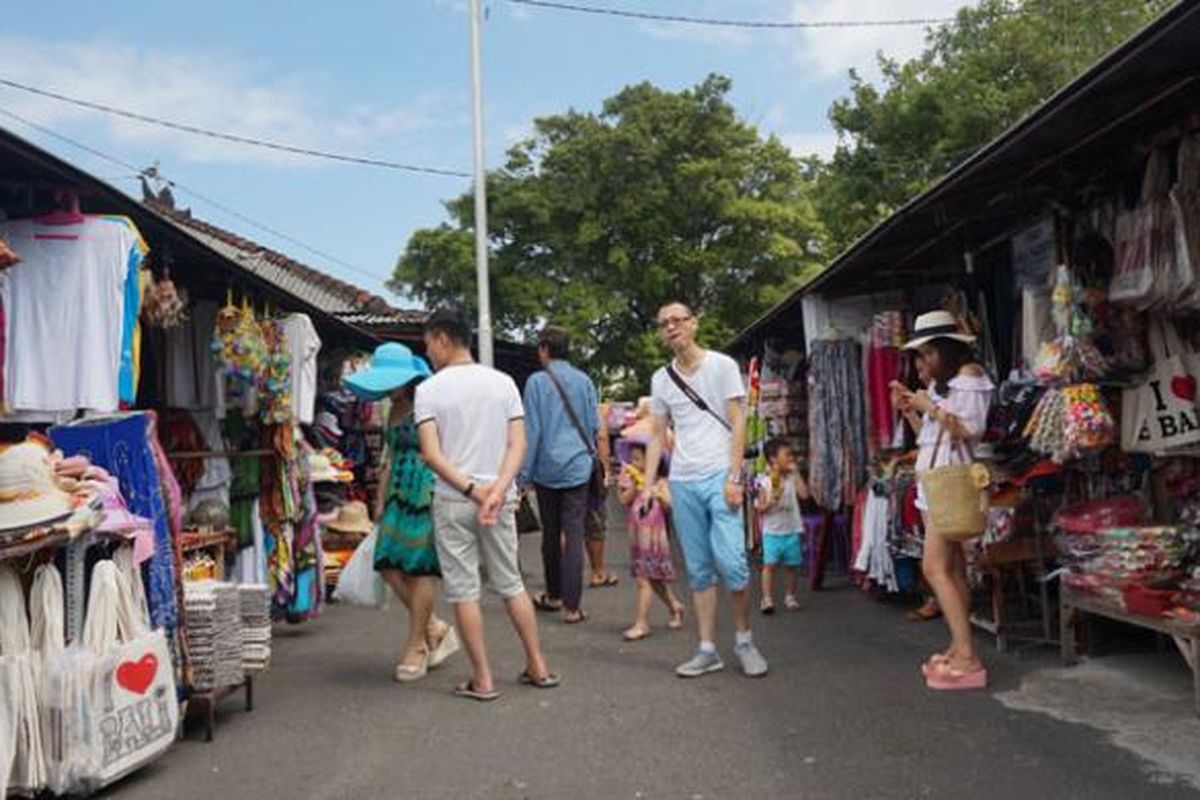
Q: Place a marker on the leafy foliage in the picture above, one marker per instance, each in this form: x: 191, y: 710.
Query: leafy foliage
x: 977, y: 76
x: 600, y: 218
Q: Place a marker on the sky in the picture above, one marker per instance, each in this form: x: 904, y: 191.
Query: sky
x: 389, y: 79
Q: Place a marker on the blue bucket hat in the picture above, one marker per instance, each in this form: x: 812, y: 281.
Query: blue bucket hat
x: 392, y: 367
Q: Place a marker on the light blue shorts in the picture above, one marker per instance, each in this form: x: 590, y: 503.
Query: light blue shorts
x: 782, y: 550
x: 711, y: 535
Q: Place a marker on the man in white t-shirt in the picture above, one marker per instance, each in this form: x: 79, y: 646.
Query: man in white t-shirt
x: 471, y: 425
x: 702, y: 395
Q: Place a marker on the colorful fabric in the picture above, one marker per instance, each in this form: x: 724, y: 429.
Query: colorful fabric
x: 121, y: 445
x: 404, y: 538
x: 837, y: 424
x: 649, y: 546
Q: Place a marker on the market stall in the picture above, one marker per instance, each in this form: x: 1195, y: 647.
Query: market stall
x: 1069, y: 248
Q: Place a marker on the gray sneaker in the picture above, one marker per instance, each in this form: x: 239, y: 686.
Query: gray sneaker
x: 700, y: 664
x: 753, y: 663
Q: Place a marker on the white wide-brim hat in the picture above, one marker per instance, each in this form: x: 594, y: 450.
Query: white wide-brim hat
x: 29, y: 496
x: 937, y: 325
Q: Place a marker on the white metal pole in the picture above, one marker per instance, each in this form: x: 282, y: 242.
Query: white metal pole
x: 481, y: 236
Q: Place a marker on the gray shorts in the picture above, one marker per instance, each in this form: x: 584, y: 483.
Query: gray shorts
x: 461, y: 541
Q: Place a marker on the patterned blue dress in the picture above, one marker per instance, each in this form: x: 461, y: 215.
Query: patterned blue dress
x: 404, y: 538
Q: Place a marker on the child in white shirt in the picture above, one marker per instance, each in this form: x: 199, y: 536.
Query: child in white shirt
x: 779, y: 494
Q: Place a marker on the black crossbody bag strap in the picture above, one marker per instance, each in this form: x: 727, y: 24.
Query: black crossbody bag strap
x: 591, y: 448
x: 695, y: 397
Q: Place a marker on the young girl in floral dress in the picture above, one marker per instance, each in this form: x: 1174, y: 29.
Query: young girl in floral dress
x: 649, y: 548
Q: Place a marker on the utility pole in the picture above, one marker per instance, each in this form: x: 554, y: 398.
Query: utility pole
x: 481, y: 231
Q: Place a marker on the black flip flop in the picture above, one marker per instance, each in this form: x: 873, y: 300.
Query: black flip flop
x: 469, y: 691
x: 542, y: 602
x: 579, y: 617
x: 548, y: 681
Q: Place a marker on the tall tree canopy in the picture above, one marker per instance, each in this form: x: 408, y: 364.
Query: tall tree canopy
x: 978, y: 75
x: 599, y: 218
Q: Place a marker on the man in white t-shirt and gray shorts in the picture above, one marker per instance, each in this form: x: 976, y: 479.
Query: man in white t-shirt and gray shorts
x: 471, y: 425
x: 702, y: 395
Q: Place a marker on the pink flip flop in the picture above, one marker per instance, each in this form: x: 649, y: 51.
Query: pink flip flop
x: 945, y: 678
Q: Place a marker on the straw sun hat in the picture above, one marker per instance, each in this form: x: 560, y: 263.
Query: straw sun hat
x: 937, y: 325
x: 28, y: 494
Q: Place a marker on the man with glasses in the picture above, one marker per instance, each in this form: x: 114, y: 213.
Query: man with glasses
x: 702, y: 395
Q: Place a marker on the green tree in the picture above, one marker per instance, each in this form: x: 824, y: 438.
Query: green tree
x: 599, y: 218
x: 978, y: 75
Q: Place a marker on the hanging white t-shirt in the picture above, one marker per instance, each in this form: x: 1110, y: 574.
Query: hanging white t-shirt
x: 702, y: 443
x: 64, y: 308
x: 304, y: 345
x: 784, y: 516
x: 472, y: 406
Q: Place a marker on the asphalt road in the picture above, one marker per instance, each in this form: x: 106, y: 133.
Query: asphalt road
x: 842, y: 714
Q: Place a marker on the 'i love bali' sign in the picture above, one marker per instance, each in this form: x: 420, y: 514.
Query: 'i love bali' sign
x: 136, y: 710
x: 1161, y: 414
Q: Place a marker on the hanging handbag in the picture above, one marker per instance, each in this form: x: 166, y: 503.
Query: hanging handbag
x: 527, y: 519
x: 1162, y: 412
x: 134, y: 707
x: 18, y: 685
x: 596, y: 480
x: 956, y: 496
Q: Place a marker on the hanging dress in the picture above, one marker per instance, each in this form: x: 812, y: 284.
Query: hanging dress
x: 405, y: 530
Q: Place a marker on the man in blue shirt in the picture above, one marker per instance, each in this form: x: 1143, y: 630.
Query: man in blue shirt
x: 559, y: 461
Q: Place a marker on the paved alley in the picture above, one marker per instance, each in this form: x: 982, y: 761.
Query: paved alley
x: 842, y: 715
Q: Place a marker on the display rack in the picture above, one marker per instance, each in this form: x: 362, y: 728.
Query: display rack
x: 1076, y: 605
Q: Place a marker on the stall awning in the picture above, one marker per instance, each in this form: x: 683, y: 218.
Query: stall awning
x: 1084, y: 136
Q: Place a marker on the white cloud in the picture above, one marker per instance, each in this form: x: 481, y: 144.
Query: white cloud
x: 833, y: 51
x: 699, y: 34
x: 807, y: 143
x: 199, y: 89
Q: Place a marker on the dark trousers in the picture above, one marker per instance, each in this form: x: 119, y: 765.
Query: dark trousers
x: 564, y: 515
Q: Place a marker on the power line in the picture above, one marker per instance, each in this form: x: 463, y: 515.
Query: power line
x: 732, y: 23
x: 139, y: 172
x: 231, y: 137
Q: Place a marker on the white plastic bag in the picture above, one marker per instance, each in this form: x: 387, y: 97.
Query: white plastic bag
x: 359, y: 584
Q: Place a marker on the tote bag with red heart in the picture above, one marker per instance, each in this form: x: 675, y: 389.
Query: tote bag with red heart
x: 133, y: 700
x: 1162, y: 414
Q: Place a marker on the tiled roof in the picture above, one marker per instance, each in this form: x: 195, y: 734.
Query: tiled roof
x: 336, y: 297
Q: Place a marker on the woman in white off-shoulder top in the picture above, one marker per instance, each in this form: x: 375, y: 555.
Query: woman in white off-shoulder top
x: 955, y: 410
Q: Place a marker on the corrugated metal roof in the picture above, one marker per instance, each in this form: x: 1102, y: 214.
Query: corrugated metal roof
x: 332, y: 295
x: 1075, y: 137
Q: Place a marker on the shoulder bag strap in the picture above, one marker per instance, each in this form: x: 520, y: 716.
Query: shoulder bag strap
x: 591, y: 447
x: 695, y: 397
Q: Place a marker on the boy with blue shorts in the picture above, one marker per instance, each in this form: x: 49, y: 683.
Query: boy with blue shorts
x: 701, y: 394
x: 779, y: 494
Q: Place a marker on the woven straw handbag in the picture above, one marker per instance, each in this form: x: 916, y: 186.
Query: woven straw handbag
x: 956, y: 496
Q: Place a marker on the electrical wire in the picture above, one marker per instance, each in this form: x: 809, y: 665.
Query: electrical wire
x: 731, y: 23
x: 231, y: 137
x: 139, y: 173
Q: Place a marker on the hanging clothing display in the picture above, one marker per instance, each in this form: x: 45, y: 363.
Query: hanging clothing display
x: 288, y: 509
x: 837, y: 426
x: 65, y: 314
x: 191, y: 370
x: 304, y: 345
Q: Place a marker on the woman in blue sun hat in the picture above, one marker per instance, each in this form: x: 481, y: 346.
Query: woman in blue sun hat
x: 404, y: 549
